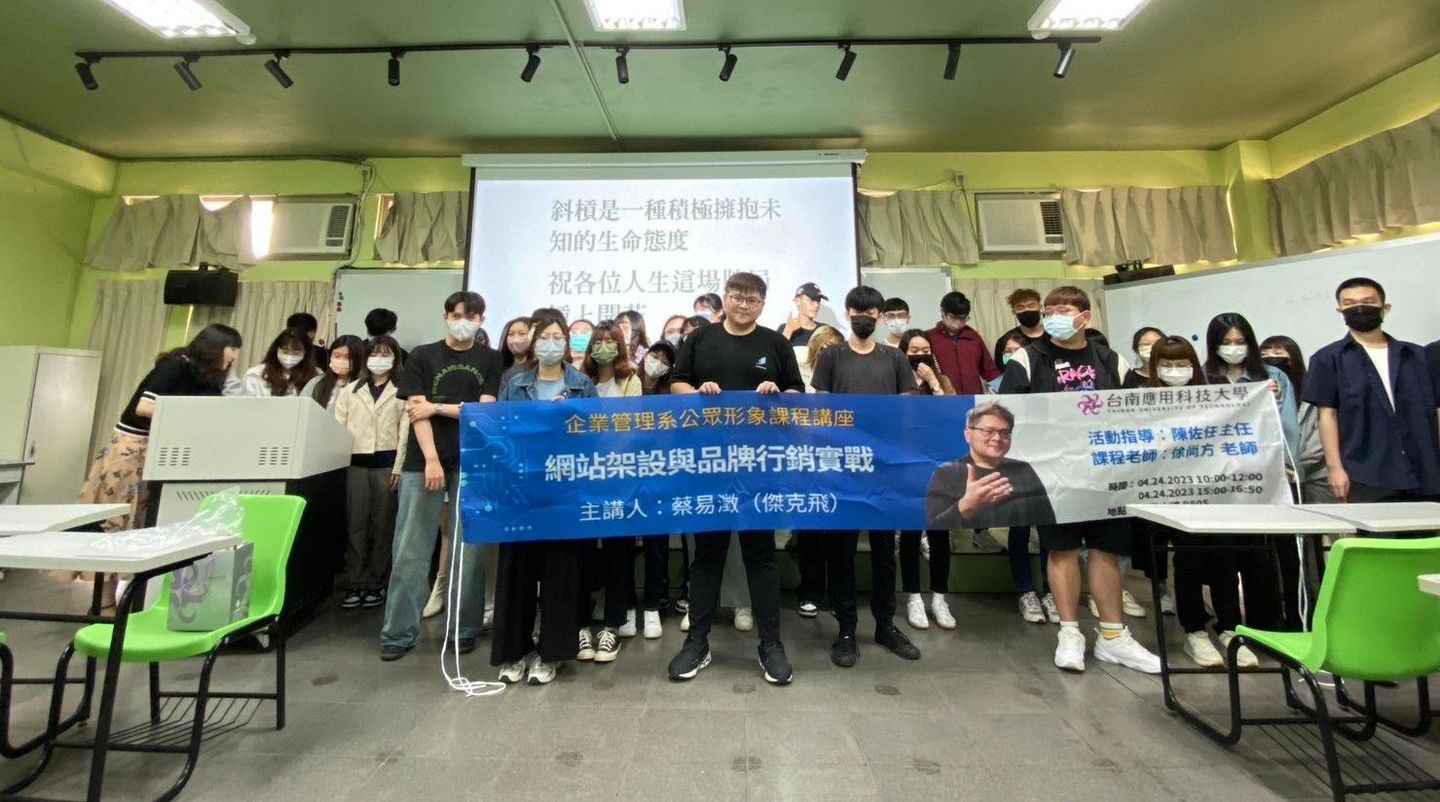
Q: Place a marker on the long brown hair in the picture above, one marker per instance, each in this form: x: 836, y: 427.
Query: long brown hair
x: 1173, y: 347
x: 273, y: 373
x: 356, y: 348
x: 623, y: 369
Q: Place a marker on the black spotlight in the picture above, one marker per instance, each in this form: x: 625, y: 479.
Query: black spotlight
x: 1067, y: 55
x: 531, y: 64
x: 87, y: 75
x: 278, y: 72
x: 952, y: 61
x: 182, y: 68
x: 731, y: 60
x: 395, y: 56
x: 622, y: 66
x: 845, y: 63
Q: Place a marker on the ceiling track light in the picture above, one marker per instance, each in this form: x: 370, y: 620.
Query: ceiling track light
x: 728, y: 68
x: 278, y: 72
x: 622, y: 65
x: 87, y: 74
x: 532, y: 63
x: 952, y: 61
x: 394, y: 69
x: 1067, y: 55
x: 182, y: 68
x: 845, y: 63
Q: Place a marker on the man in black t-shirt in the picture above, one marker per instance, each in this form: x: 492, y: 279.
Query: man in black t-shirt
x: 987, y: 488
x: 436, y: 380
x: 862, y: 366
x: 735, y: 355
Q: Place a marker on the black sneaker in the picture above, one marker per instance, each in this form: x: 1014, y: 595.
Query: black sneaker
x: 353, y: 598
x: 461, y: 646
x: 893, y: 639
x: 392, y: 653
x: 775, y: 663
x: 845, y: 651
x: 693, y: 656
x: 372, y: 598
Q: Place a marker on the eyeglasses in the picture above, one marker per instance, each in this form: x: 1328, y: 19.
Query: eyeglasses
x: 991, y: 434
x: 744, y: 302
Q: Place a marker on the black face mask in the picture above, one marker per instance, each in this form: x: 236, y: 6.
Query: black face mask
x: 1363, y: 318
x: 863, y: 326
x: 1281, y: 362
x: 1029, y: 318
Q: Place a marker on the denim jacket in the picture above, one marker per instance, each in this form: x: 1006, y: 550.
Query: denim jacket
x: 521, y: 386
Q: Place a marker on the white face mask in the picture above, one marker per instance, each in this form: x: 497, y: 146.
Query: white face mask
x: 655, y: 368
x: 1144, y: 354
x: 380, y: 364
x: 463, y: 330
x: 673, y: 338
x: 518, y: 344
x: 289, y: 361
x: 897, y: 326
x: 1175, y: 377
x: 1233, y: 354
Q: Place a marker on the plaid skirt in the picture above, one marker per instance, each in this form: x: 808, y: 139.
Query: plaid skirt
x: 115, y: 478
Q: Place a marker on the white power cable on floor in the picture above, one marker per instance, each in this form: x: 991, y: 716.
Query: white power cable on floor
x: 459, y: 682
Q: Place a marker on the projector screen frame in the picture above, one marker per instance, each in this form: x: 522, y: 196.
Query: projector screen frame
x: 475, y: 162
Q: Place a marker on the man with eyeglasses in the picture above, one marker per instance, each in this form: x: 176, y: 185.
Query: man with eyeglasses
x: 735, y: 355
x: 962, y: 354
x: 987, y: 488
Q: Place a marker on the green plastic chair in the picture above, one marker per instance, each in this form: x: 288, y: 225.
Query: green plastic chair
x: 270, y: 524
x: 1372, y: 623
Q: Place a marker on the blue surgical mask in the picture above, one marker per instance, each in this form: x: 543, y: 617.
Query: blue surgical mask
x: 1060, y: 327
x: 550, y: 352
x: 579, y: 341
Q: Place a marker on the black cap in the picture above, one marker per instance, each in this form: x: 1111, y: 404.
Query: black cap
x: 809, y: 290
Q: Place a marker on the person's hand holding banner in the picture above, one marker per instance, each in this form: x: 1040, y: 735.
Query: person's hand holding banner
x: 767, y: 388
x: 709, y: 388
x: 982, y: 493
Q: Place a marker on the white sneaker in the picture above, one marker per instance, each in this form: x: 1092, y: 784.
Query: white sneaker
x: 1167, y: 604
x: 652, y: 624
x: 627, y: 629
x: 809, y: 609
x: 1070, y: 649
x: 436, y: 604
x: 744, y: 620
x: 511, y: 673
x: 685, y: 623
x: 586, y: 651
x: 1126, y: 651
x: 1094, y: 608
x: 915, y: 612
x: 1052, y: 610
x: 1131, y: 607
x: 1030, y: 608
x: 1201, y: 651
x: 941, y: 610
x: 541, y: 672
x: 1244, y: 658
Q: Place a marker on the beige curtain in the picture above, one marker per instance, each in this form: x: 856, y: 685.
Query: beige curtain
x: 173, y: 231
x: 1180, y: 225
x: 263, y: 306
x: 202, y: 316
x: 990, y: 314
x: 128, y: 331
x: 424, y: 227
x: 1384, y: 182
x: 916, y: 228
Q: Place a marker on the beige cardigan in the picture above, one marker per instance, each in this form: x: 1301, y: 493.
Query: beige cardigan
x: 376, y: 425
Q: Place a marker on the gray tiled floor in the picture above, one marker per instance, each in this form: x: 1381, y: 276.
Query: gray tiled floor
x: 983, y: 716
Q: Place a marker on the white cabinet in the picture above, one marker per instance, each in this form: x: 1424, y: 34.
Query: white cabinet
x: 47, y: 408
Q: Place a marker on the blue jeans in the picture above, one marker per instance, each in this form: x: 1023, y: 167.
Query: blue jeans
x: 417, y: 529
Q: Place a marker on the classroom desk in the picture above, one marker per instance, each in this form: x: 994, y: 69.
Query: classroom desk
x: 1256, y: 522
x: 22, y: 518
x: 1430, y: 583
x: 1383, y: 518
x: 82, y: 551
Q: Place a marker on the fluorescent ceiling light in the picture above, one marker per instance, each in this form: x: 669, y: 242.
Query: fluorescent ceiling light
x: 636, y: 15
x: 183, y: 19
x: 1087, y: 16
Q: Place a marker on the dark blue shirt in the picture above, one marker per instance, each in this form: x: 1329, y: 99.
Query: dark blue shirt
x: 1395, y: 449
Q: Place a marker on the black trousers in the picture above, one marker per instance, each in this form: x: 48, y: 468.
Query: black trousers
x: 1289, y: 555
x: 555, y: 566
x: 840, y: 548
x: 810, y: 557
x: 1196, y: 569
x: 939, y: 560
x: 757, y: 548
x: 657, y: 571
x: 612, y: 563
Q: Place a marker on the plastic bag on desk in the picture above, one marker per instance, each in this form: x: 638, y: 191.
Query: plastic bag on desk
x: 220, y: 517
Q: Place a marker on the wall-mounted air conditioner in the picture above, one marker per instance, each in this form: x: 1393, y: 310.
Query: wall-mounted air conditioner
x: 1019, y: 223
x: 312, y: 228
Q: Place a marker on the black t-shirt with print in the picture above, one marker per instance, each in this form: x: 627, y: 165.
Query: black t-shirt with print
x: 712, y: 354
x: 446, y: 376
x: 1077, y: 371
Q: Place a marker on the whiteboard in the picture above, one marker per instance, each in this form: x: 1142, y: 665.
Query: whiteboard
x: 921, y: 287
x: 416, y: 295
x: 1294, y: 296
